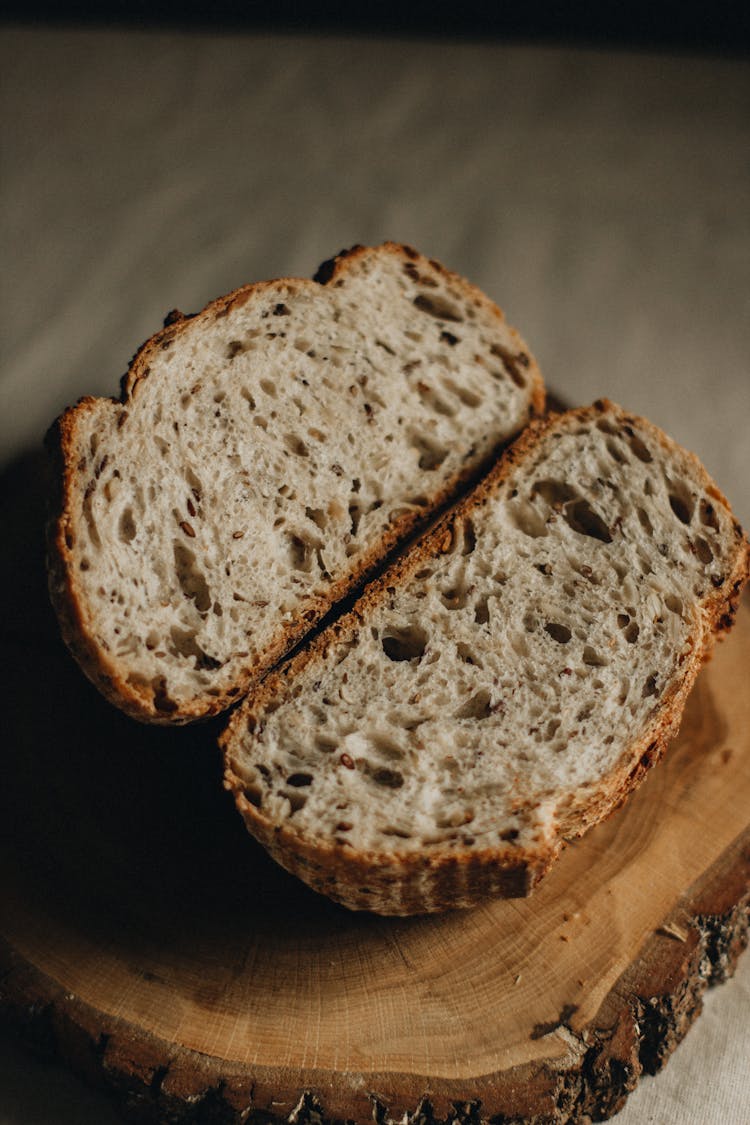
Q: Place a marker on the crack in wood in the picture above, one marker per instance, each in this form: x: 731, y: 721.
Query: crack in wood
x: 563, y: 1020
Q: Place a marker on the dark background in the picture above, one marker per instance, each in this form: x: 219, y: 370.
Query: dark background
x: 723, y: 28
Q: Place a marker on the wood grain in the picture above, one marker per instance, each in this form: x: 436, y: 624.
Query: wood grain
x: 146, y: 939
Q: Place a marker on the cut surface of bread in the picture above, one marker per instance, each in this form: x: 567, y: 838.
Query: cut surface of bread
x: 264, y: 456
x: 505, y: 685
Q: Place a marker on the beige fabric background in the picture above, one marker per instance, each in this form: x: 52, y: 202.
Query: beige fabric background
x: 603, y: 199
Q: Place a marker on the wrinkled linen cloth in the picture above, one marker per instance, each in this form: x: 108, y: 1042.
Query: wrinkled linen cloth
x: 600, y: 197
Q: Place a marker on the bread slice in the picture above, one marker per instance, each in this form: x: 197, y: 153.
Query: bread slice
x: 263, y: 457
x: 504, y: 685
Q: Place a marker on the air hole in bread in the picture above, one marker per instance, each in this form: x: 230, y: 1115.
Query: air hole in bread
x: 650, y: 687
x: 469, y: 538
x: 467, y: 397
x: 88, y: 514
x: 468, y: 655
x: 431, y: 455
x: 513, y: 364
x: 682, y: 507
x: 642, y: 452
x: 631, y: 633
x: 448, y: 338
x: 302, y: 552
x: 707, y: 514
x: 318, y: 517
x: 300, y: 780
x: 296, y: 445
x: 615, y: 452
x: 248, y: 397
x: 162, y: 700
x: 388, y: 778
x: 406, y: 643
x: 325, y: 745
x: 593, y: 658
x: 392, y: 830
x: 254, y: 795
x: 433, y: 400
x: 645, y: 521
x: 185, y: 644
x: 606, y: 426
x: 387, y: 748
x: 478, y: 707
x: 551, y: 729
x: 554, y: 492
x: 84, y: 564
x: 482, y: 610
x: 126, y: 527
x: 355, y: 516
x: 673, y: 604
x: 703, y: 550
x: 559, y: 633
x: 260, y: 422
x: 268, y: 386
x: 323, y: 568
x: 434, y: 304
x: 194, y: 483
x: 526, y: 518
x: 454, y: 598
x: 296, y: 801
x: 190, y: 577
x: 455, y: 819
x: 583, y: 519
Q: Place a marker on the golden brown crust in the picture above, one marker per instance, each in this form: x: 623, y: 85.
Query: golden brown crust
x: 141, y: 702
x: 409, y: 882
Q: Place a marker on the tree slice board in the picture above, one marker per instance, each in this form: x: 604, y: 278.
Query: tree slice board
x: 149, y: 942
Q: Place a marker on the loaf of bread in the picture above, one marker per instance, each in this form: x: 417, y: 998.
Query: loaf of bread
x: 263, y: 457
x: 503, y: 686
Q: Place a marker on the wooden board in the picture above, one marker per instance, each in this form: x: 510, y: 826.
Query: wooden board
x: 150, y: 943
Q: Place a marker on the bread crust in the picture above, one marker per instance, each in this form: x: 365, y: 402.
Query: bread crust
x: 392, y: 882
x: 68, y: 599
